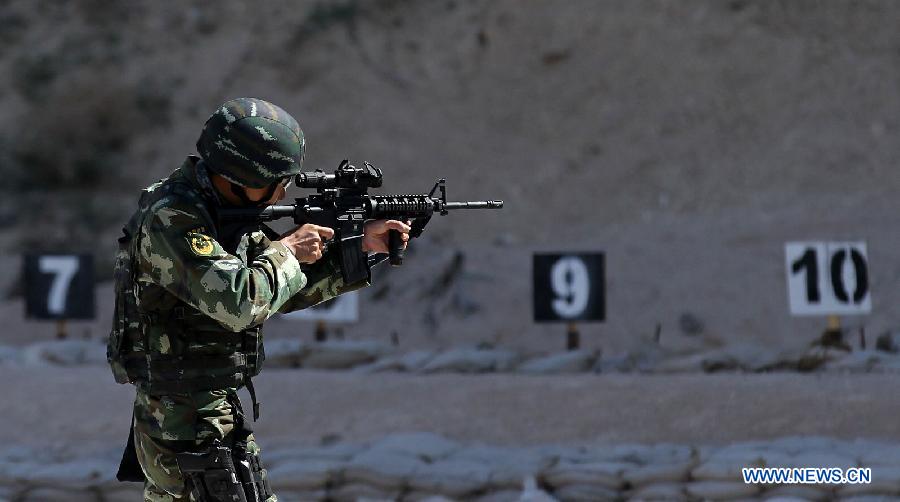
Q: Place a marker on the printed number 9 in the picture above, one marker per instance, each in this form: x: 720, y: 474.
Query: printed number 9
x: 571, y: 284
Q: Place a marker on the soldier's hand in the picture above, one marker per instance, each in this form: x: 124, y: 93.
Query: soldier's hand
x: 307, y: 242
x: 375, y: 236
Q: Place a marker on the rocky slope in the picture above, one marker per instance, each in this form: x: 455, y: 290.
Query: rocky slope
x: 687, y: 140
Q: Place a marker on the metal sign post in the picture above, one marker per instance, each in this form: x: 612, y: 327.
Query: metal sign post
x: 828, y: 279
x: 59, y: 287
x: 569, y: 288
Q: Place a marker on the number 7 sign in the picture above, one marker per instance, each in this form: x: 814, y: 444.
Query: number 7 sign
x: 828, y: 278
x: 59, y: 286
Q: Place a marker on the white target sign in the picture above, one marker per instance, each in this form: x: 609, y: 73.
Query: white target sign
x: 344, y: 308
x: 828, y: 278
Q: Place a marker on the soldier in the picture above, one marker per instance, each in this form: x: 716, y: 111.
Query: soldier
x: 191, y: 298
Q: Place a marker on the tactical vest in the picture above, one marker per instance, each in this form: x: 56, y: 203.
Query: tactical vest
x: 199, y: 353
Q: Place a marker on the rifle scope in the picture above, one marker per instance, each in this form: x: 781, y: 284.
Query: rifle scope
x: 346, y: 176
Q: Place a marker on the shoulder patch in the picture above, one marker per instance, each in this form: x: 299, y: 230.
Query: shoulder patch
x: 201, y: 245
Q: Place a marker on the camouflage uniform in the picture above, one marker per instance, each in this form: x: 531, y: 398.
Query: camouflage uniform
x: 201, y: 293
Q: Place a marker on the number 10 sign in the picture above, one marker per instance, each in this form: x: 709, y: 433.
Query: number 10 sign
x: 828, y: 278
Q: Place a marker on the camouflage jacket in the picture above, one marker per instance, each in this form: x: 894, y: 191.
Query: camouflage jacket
x: 182, y: 264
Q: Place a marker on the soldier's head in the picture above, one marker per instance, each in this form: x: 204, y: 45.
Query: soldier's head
x: 253, y: 149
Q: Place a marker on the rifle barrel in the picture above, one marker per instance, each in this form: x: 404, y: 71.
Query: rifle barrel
x: 270, y: 213
x: 488, y: 204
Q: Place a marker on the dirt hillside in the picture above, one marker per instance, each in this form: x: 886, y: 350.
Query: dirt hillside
x: 688, y: 140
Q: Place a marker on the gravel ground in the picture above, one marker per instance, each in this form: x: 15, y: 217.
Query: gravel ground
x: 81, y: 407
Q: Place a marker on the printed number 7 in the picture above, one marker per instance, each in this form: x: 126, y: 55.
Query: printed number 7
x: 64, y: 269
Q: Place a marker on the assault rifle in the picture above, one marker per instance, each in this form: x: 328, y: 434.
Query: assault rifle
x: 342, y: 202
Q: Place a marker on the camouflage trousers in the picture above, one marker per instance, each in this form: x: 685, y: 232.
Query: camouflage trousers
x: 164, y: 480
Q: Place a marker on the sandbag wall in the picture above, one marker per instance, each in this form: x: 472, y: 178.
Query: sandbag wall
x: 423, y: 466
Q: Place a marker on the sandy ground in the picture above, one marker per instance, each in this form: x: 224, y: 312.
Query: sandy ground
x: 81, y: 408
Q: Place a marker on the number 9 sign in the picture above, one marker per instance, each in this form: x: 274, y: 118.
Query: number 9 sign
x: 568, y: 287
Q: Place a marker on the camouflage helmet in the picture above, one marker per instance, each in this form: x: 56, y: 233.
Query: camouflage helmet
x: 252, y: 143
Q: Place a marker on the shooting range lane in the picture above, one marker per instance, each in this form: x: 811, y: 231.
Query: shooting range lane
x: 303, y: 406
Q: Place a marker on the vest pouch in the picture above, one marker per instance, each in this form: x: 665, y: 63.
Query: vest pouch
x: 123, y: 326
x: 203, y: 335
x: 260, y: 354
x: 253, y: 347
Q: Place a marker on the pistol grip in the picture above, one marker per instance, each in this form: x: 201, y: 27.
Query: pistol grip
x: 395, y: 247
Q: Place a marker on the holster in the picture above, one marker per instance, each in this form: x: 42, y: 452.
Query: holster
x: 130, y: 468
x: 226, y: 474
x: 211, y: 476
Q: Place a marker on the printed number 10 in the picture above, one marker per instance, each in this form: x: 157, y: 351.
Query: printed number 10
x: 809, y: 262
